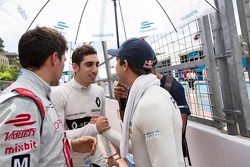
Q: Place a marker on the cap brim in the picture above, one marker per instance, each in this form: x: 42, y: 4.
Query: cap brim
x: 113, y: 52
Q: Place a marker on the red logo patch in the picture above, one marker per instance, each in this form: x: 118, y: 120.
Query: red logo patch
x: 21, y: 120
x: 21, y: 147
x: 16, y: 134
x: 148, y: 64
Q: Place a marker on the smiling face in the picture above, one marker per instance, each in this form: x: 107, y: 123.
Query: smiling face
x: 86, y: 73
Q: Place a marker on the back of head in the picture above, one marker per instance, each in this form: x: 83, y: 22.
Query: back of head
x: 36, y: 45
x: 82, y: 51
x: 138, y: 53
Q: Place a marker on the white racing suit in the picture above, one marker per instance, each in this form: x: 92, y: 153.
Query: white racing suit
x: 76, y: 105
x: 21, y: 144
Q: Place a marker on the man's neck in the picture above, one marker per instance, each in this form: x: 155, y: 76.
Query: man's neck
x: 81, y: 83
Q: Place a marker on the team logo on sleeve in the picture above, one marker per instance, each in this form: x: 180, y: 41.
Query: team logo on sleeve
x: 21, y: 160
x: 152, y: 135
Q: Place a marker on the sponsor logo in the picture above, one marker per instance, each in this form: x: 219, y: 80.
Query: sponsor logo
x: 188, y: 15
x: 152, y: 135
x: 174, y: 102
x: 22, y: 12
x: 57, y: 124
x: 75, y: 114
x: 21, y: 120
x: 21, y: 160
x: 98, y: 101
x: 102, y: 35
x: 48, y: 107
x: 61, y: 25
x: 20, y: 147
x: 148, y: 64
x: 96, y: 110
x: 17, y: 134
x: 78, y: 123
x: 147, y: 26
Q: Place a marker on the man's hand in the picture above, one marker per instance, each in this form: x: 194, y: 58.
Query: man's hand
x: 101, y: 123
x: 121, y: 91
x: 112, y: 162
x: 84, y: 144
x: 121, y: 94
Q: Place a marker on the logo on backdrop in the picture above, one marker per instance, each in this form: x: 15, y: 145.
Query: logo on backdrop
x: 147, y: 26
x: 189, y: 15
x: 61, y: 25
x: 22, y: 12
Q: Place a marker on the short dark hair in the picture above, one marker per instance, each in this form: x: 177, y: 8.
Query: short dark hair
x: 36, y: 45
x: 137, y: 71
x: 82, y: 51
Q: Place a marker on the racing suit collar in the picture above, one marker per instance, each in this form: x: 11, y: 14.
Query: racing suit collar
x: 44, y: 88
x: 79, y: 86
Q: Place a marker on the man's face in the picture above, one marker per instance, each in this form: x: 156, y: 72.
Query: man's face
x: 88, y: 70
x: 120, y: 72
x: 59, y: 70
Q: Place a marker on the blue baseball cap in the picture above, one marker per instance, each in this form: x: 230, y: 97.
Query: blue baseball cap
x: 137, y: 52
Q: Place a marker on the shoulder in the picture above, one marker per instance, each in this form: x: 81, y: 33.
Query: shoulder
x: 96, y: 88
x: 64, y: 88
x: 154, y: 96
x: 176, y: 85
x: 16, y: 103
x: 60, y: 92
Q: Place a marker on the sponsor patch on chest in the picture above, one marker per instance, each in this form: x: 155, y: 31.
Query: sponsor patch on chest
x: 21, y: 161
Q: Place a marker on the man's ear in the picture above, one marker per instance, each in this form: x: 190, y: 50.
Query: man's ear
x: 75, y: 67
x: 125, y: 65
x: 53, y: 58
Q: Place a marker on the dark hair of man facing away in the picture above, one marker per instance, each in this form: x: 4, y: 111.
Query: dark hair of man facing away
x: 36, y: 45
x: 137, y: 71
x: 82, y: 51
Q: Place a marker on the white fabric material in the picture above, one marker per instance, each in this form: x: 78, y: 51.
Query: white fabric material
x: 140, y: 85
x: 156, y: 130
x: 75, y: 104
x: 137, y: 16
x: 115, y: 138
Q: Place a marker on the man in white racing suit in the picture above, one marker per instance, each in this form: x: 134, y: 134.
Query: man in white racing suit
x: 29, y: 138
x: 154, y: 133
x: 78, y: 100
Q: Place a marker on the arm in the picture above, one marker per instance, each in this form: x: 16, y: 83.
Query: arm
x: 25, y: 112
x: 178, y: 93
x: 115, y: 137
x: 105, y: 141
x: 158, y: 130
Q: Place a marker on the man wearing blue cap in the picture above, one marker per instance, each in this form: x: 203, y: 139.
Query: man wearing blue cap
x: 146, y: 122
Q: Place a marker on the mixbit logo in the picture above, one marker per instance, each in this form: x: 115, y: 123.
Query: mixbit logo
x: 61, y: 25
x: 21, y: 120
x: 21, y: 147
x: 147, y: 26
